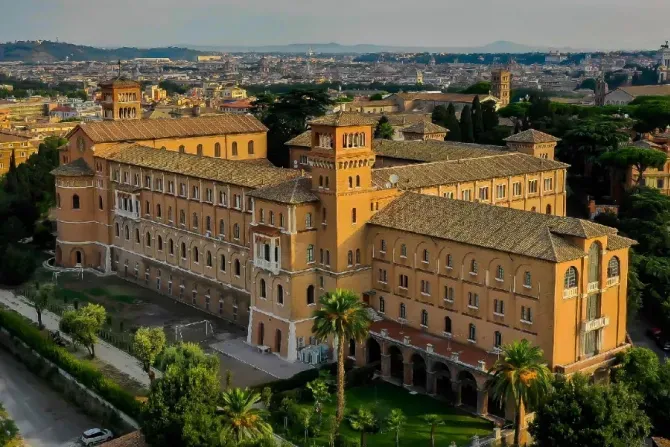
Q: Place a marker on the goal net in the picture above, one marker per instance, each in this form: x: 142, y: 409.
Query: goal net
x: 194, y: 332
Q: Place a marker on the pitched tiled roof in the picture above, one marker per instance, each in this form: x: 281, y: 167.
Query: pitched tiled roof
x: 302, y: 140
x: 134, y: 130
x: 344, y: 119
x: 524, y: 233
x: 433, y: 150
x: 441, y: 97
x: 464, y: 170
x: 250, y: 175
x: 298, y: 190
x: 424, y: 127
x: 133, y: 439
x: 77, y: 168
x: 647, y: 90
x: 532, y: 136
x: 119, y: 82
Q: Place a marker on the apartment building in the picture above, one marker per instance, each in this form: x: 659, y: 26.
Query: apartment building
x: 19, y: 146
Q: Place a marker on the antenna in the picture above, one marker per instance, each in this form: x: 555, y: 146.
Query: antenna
x: 394, y: 179
x: 119, y: 68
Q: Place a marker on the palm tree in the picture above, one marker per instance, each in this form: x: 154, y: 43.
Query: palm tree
x: 242, y: 422
x: 364, y: 421
x: 519, y: 374
x: 394, y: 422
x: 40, y: 295
x: 342, y: 315
x: 433, y: 420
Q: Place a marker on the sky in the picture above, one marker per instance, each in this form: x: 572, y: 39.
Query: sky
x: 593, y: 24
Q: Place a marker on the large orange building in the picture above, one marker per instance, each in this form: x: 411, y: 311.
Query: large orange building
x: 447, y: 280
x: 21, y: 147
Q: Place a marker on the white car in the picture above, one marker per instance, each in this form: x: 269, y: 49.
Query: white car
x: 96, y: 436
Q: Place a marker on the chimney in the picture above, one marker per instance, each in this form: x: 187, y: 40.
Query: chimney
x: 429, y: 348
x: 406, y: 340
x: 196, y: 111
x: 384, y: 333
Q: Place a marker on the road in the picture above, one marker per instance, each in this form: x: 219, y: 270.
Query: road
x: 44, y: 418
x: 636, y: 331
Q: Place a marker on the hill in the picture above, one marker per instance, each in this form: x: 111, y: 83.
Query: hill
x: 49, y: 51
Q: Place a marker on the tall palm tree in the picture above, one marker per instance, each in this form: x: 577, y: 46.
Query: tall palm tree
x: 242, y: 422
x: 341, y: 314
x: 364, y: 421
x: 433, y: 420
x: 394, y: 422
x: 520, y: 374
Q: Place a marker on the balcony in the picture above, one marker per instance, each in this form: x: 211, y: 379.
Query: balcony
x: 593, y: 286
x: 570, y: 293
x: 614, y: 280
x: 129, y: 214
x: 267, y: 265
x: 595, y: 324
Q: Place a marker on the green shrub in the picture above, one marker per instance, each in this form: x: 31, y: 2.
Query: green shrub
x: 84, y: 372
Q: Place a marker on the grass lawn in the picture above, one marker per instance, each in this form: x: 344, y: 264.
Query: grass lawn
x: 382, y: 397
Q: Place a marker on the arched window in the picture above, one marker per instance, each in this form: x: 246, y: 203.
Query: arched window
x: 209, y: 259
x: 424, y: 317
x: 403, y: 250
x: 238, y: 267
x: 500, y: 273
x: 222, y: 263
x: 147, y: 240
x: 182, y: 149
x: 217, y: 149
x: 280, y: 294
x: 403, y: 310
x: 382, y: 246
x: 182, y: 217
x: 310, y: 253
x: 450, y: 261
x: 58, y: 200
x: 353, y: 215
x: 358, y: 181
x: 234, y: 149
x: 262, y: 292
x: 199, y: 149
x: 171, y: 246
x: 426, y: 256
x: 196, y: 255
x: 116, y: 229
x: 570, y: 278
x: 261, y: 215
x: 613, y: 267
x: 100, y: 204
x: 310, y: 294
x: 497, y: 339
x: 236, y: 231
x: 351, y: 182
x: 160, y: 243
x: 474, y: 268
x: 472, y: 332
x: 75, y: 202
x: 195, y: 220
x: 126, y: 230
x: 308, y: 220
x: 447, y: 325
x: 527, y: 279
x: 382, y: 304
x: 272, y: 218
x: 548, y: 209
x: 350, y: 258
x: 358, y: 256
x: 183, y: 250
x: 250, y: 147
x: 281, y: 220
x: 222, y: 227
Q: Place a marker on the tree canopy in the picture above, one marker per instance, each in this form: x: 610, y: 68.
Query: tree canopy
x: 638, y: 157
x: 83, y: 325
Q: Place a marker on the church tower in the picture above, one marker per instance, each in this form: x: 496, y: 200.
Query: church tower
x: 341, y: 162
x: 501, y: 86
x: 601, y: 91
x: 121, y: 99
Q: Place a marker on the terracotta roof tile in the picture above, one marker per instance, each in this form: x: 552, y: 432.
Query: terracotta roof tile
x: 77, y: 168
x: 250, y: 175
x: 532, y: 136
x: 298, y: 190
x: 442, y: 97
x: 524, y: 233
x: 119, y: 82
x: 424, y: 127
x: 463, y: 170
x: 134, y: 130
x: 647, y: 90
x: 302, y: 140
x: 341, y: 119
x: 433, y: 150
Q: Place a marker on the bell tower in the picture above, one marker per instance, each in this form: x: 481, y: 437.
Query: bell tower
x: 341, y: 163
x: 121, y: 99
x: 501, y: 85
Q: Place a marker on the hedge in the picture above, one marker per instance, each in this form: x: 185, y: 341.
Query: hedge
x: 86, y: 374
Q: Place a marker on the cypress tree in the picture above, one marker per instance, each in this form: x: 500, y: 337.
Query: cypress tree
x: 467, y: 135
x: 439, y: 116
x: 477, y: 119
x: 490, y: 116
x: 11, y: 178
x: 452, y: 124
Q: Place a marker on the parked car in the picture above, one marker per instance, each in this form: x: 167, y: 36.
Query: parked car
x: 96, y: 436
x: 654, y: 333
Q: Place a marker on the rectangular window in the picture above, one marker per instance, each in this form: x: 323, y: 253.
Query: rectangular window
x: 250, y: 204
x: 473, y: 300
x: 501, y: 191
x: 238, y: 201
x: 404, y: 281
x: 549, y: 184
x: 303, y: 159
x: 147, y: 181
x: 526, y: 314
x: 532, y: 186
x: 484, y: 193
x: 659, y: 183
x: 466, y: 195
x: 383, y: 276
x: 159, y: 184
x: 182, y: 189
x: 449, y: 195
x: 209, y: 195
x: 223, y: 198
x: 425, y: 287
x: 516, y: 189
x: 591, y: 342
x: 170, y: 186
x: 195, y: 193
x: 593, y: 306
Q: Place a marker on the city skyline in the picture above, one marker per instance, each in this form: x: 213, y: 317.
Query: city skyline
x: 257, y: 23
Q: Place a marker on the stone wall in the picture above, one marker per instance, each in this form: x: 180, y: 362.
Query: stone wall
x: 92, y: 404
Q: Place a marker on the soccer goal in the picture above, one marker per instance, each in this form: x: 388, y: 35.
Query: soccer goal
x: 193, y: 332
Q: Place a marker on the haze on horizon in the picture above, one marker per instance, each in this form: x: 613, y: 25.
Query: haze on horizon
x: 593, y: 24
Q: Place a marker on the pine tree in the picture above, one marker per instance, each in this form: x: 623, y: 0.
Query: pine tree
x: 467, y: 135
x: 477, y: 119
x: 452, y: 124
